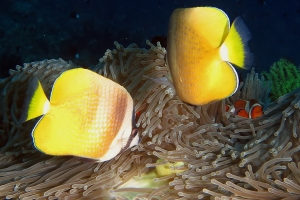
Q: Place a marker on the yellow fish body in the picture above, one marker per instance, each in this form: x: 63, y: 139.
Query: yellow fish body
x: 88, y: 116
x: 200, y: 49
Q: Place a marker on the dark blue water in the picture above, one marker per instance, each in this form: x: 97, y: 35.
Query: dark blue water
x: 81, y: 30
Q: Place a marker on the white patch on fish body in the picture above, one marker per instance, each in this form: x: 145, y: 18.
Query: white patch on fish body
x: 224, y: 53
x: 46, y: 107
x: 117, y: 144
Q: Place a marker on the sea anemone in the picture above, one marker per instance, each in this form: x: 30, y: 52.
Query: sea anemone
x: 211, y: 153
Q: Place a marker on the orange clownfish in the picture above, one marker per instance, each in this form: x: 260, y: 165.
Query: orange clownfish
x: 87, y: 115
x: 201, y: 49
x: 248, y: 109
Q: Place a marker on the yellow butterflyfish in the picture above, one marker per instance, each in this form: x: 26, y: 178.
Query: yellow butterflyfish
x: 87, y: 115
x: 201, y: 49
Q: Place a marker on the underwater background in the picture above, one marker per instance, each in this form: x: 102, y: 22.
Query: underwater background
x: 186, y: 152
x: 82, y: 30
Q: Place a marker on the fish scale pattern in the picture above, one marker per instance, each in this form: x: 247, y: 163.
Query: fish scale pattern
x: 100, y: 126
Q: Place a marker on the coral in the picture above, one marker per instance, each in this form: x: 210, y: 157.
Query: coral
x: 285, y: 77
x: 219, y: 155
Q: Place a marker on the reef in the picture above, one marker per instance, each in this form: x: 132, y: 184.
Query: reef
x: 221, y: 155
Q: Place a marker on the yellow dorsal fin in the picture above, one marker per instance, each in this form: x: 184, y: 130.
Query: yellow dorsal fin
x: 208, y: 23
x: 70, y: 83
x: 235, y: 48
x: 36, y: 102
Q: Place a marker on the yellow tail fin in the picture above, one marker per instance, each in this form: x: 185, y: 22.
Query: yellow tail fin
x: 36, y: 102
x: 235, y: 48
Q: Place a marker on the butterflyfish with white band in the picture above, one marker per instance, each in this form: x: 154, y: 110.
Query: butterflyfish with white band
x: 201, y: 49
x: 87, y: 116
